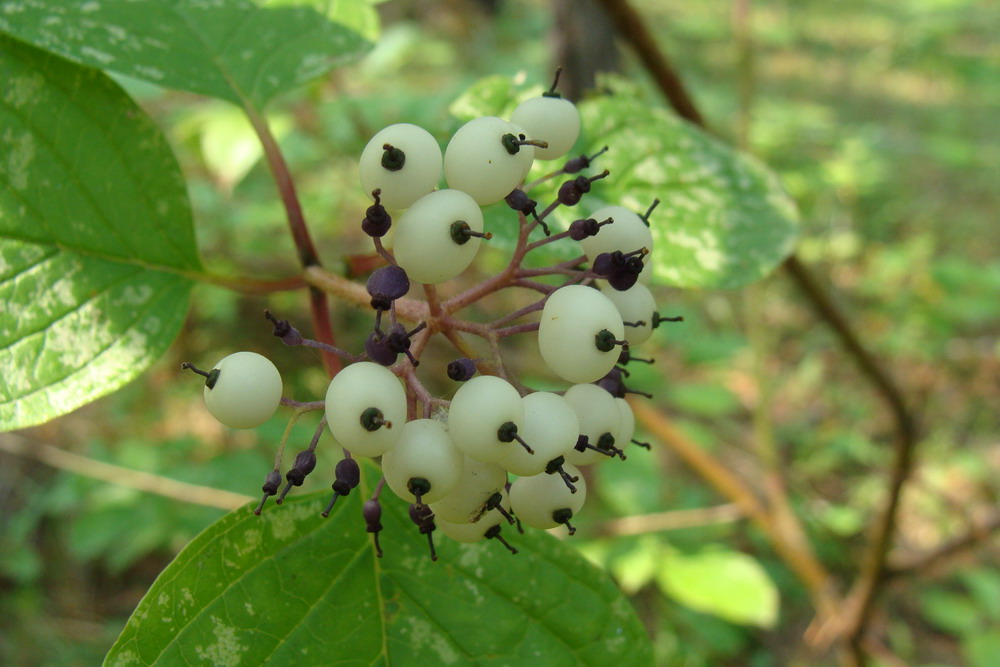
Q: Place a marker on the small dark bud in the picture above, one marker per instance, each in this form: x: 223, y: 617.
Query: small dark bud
x: 378, y: 350
x: 270, y: 488
x: 582, y: 162
x: 305, y: 462
x: 519, y: 200
x: 462, y: 369
x: 603, y: 264
x: 372, y: 513
x: 423, y: 516
x: 377, y: 220
x: 581, y: 229
x: 570, y: 192
x: 288, y: 334
x: 398, y: 340
x: 348, y: 476
x: 385, y: 285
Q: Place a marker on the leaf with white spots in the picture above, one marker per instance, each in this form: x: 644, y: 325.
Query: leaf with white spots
x: 723, y: 218
x: 95, y: 237
x: 289, y: 587
x: 237, y: 50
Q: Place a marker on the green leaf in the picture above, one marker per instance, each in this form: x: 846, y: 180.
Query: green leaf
x: 289, y: 587
x: 490, y: 96
x: 952, y: 612
x: 232, y: 49
x: 727, y: 584
x: 981, y: 649
x: 96, y: 237
x: 723, y: 219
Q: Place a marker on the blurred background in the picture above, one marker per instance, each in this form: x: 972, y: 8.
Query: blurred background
x: 882, y: 119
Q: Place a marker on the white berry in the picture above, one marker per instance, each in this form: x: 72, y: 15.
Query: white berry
x: 420, y: 170
x: 245, y: 392
x: 478, y: 159
x: 366, y: 408
x: 483, y: 412
x: 467, y: 501
x: 550, y: 426
x: 429, y: 242
x: 600, y: 421
x: 636, y: 304
x: 554, y: 120
x: 544, y: 501
x: 575, y: 321
x: 425, y: 460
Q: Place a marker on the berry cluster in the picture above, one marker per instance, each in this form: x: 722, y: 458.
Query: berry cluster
x: 452, y: 460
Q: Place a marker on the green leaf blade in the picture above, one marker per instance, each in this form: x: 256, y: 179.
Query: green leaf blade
x: 232, y: 49
x: 96, y: 238
x: 727, y: 584
x: 722, y: 222
x: 330, y: 601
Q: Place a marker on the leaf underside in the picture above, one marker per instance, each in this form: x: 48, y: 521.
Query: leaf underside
x: 95, y: 237
x: 289, y: 587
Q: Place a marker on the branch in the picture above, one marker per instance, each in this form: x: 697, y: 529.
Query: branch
x: 673, y: 520
x: 631, y: 27
x: 308, y: 257
x: 797, y: 556
x: 133, y: 479
x: 978, y: 535
x: 873, y: 568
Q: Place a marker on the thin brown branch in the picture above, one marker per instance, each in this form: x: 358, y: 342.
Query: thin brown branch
x: 872, y: 574
x: 308, y: 257
x: 631, y: 27
x: 801, y: 561
x: 114, y: 474
x: 673, y: 520
x: 978, y: 535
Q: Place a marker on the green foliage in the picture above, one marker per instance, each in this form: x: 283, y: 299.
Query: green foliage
x: 728, y: 584
x: 723, y: 219
x: 191, y: 45
x: 291, y: 586
x: 95, y: 236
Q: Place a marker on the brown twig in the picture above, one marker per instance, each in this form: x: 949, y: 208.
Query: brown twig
x: 673, y: 520
x: 115, y: 474
x: 873, y: 568
x: 631, y: 27
x: 797, y: 556
x: 308, y: 257
x: 978, y: 534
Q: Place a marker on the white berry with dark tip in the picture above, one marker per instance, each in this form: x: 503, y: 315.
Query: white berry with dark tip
x: 243, y: 390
